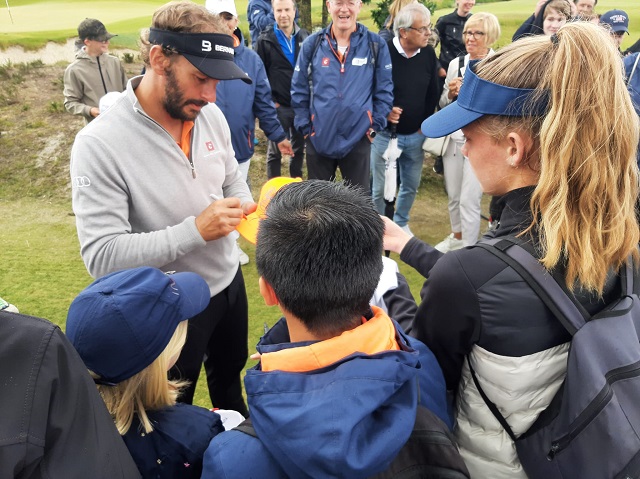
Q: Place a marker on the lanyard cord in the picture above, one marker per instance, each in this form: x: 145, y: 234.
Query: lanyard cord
x: 341, y: 58
x: 101, y: 77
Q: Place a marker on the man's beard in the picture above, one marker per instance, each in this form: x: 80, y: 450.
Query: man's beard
x: 174, y: 102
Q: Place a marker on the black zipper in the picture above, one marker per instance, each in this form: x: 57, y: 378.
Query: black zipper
x: 598, y: 403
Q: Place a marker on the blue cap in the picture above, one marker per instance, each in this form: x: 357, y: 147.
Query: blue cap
x: 122, y: 322
x: 618, y: 20
x: 480, y: 97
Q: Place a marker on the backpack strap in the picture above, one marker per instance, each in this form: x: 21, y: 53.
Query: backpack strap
x: 461, y: 64
x: 559, y: 300
x: 490, y: 404
x: 247, y: 427
x: 551, y: 290
x: 633, y: 70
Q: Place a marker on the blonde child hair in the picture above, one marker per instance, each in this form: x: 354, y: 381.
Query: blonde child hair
x: 149, y: 389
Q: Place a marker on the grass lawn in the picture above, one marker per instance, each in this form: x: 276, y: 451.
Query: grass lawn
x: 57, y: 21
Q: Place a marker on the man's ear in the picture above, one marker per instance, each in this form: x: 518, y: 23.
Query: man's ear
x: 158, y: 61
x: 267, y: 292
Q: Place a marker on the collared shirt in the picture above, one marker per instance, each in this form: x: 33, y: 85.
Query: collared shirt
x: 288, y: 45
x: 396, y: 43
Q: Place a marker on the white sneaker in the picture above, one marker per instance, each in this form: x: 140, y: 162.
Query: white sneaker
x: 244, y: 257
x: 450, y: 243
x: 406, y: 229
x: 6, y: 306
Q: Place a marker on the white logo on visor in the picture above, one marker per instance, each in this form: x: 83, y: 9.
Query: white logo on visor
x: 222, y: 48
x: 206, y: 46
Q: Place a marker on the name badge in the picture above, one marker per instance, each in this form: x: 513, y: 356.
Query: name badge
x: 358, y: 62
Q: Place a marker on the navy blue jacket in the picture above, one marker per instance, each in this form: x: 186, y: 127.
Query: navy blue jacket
x: 260, y: 16
x: 347, y: 100
x: 175, y: 447
x: 345, y: 420
x: 241, y: 104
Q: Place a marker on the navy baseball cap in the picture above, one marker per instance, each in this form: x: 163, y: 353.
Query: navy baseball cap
x: 122, y: 322
x: 211, y: 53
x: 618, y: 20
x: 480, y: 97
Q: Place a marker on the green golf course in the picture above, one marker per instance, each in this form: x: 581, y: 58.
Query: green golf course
x: 36, y: 22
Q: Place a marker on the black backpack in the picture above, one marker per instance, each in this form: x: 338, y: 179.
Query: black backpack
x: 591, y: 429
x: 430, y: 452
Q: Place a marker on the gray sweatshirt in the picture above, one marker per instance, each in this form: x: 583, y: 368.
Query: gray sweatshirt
x: 135, y: 196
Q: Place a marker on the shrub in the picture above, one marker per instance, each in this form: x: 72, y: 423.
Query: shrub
x: 381, y: 12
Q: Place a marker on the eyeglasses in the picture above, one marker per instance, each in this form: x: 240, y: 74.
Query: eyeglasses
x: 474, y: 35
x: 227, y: 16
x: 618, y: 34
x: 423, y: 30
x: 348, y: 4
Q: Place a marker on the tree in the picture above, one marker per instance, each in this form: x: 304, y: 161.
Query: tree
x: 304, y: 10
x: 381, y: 12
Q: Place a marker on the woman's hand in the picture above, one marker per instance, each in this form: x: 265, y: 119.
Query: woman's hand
x: 395, y: 238
x: 454, y: 88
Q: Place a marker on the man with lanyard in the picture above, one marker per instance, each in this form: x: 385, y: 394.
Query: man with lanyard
x: 155, y: 183
x: 341, y: 93
x: 278, y: 47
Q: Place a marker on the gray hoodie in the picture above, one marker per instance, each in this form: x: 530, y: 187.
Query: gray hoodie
x: 89, y: 78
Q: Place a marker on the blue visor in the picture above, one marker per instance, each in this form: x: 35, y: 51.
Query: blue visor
x: 480, y: 97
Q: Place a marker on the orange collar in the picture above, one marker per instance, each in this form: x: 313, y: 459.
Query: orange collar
x: 372, y: 337
x: 185, y: 140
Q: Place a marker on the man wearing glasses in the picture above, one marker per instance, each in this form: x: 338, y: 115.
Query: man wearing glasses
x: 94, y: 73
x: 415, y: 97
x: 341, y: 93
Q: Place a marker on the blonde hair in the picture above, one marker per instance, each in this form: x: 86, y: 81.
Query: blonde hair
x: 394, y: 8
x: 150, y: 389
x: 585, y: 148
x: 489, y: 24
x: 184, y: 17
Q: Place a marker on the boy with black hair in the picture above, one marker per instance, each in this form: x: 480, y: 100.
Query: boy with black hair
x: 338, y: 385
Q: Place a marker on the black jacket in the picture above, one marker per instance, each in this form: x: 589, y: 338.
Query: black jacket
x: 449, y: 29
x: 472, y: 297
x: 53, y: 422
x: 532, y: 25
x: 279, y: 70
